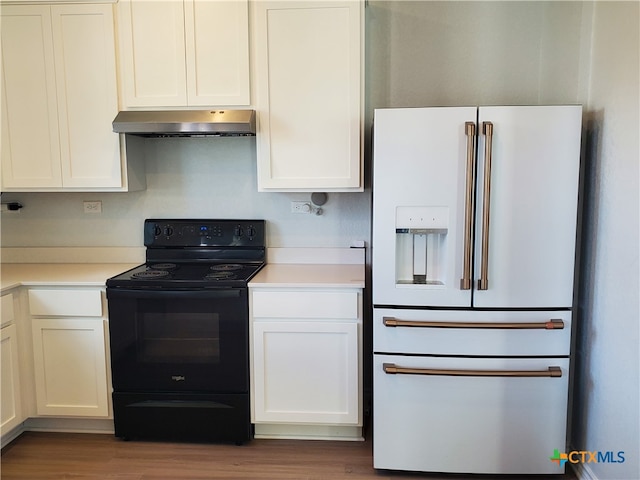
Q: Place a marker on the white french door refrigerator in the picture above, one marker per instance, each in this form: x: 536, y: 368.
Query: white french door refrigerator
x: 474, y: 235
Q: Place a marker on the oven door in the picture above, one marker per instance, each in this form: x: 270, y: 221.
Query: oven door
x: 179, y: 340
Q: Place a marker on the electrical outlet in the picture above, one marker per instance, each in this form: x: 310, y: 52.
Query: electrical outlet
x: 92, y: 207
x: 300, y: 207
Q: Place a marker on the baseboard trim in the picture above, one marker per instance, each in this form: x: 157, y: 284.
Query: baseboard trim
x: 583, y: 472
x: 59, y: 425
x: 69, y: 425
x: 308, y: 432
x: 11, y: 435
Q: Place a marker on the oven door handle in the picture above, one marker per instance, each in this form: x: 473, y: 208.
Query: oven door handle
x: 201, y: 293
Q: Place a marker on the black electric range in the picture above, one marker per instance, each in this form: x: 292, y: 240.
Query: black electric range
x: 179, y: 331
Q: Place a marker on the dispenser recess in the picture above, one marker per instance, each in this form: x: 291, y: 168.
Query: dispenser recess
x: 421, y: 241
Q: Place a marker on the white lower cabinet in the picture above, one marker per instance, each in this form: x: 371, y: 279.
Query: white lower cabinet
x: 306, y: 361
x: 69, y: 353
x: 306, y: 372
x: 11, y: 414
x: 10, y: 408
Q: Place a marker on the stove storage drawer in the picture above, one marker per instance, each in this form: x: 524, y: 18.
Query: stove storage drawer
x: 182, y: 416
x: 465, y: 332
x: 443, y: 414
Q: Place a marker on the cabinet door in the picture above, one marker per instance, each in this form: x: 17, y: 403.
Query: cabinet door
x: 10, y: 405
x: 87, y: 95
x: 30, y: 144
x: 70, y: 366
x: 533, y: 206
x: 217, y: 52
x: 309, y: 95
x: 306, y: 372
x: 152, y: 49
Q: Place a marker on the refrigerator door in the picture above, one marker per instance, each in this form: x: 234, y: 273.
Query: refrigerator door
x: 526, y: 206
x: 428, y: 419
x: 419, y: 204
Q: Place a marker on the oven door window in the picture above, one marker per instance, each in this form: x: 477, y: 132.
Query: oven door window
x: 179, y: 341
x: 196, y: 340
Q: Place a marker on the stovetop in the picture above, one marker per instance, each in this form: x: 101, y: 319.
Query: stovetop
x: 200, y: 253
x: 186, y: 275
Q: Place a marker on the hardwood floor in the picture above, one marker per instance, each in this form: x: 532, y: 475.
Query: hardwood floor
x: 66, y: 456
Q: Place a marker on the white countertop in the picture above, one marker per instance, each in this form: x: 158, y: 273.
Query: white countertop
x: 95, y: 274
x: 63, y: 274
x: 309, y: 275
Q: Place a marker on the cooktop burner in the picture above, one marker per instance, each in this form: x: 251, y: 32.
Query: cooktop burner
x: 222, y: 275
x: 150, y: 274
x: 163, y: 266
x: 226, y: 267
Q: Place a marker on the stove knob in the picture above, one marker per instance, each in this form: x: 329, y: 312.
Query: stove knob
x: 251, y: 232
x: 238, y: 231
x: 168, y: 231
x: 157, y: 231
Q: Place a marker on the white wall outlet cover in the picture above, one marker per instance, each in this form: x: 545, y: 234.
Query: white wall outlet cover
x: 92, y: 206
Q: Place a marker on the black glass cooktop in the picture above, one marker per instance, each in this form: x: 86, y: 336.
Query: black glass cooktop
x: 180, y: 275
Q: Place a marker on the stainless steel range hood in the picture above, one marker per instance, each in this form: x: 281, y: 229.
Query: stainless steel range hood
x: 186, y: 123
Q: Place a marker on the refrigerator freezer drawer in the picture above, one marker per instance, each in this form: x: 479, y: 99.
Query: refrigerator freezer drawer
x: 470, y: 424
x: 448, y: 332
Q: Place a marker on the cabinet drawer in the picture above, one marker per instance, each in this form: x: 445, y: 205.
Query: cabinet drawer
x: 67, y: 302
x: 305, y: 304
x: 7, y: 312
x: 446, y: 332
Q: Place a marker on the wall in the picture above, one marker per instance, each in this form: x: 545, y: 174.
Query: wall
x: 470, y: 53
x: 197, y: 178
x: 607, y: 396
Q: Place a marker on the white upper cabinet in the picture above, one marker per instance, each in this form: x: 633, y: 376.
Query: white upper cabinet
x: 30, y: 142
x: 309, y: 95
x: 184, y: 53
x: 59, y: 97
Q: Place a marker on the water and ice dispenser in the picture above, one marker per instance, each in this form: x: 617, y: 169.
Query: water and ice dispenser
x: 421, y: 242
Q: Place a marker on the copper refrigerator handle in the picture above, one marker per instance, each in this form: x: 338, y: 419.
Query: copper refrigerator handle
x: 470, y: 132
x: 487, y: 130
x: 552, y: 324
x: 393, y: 369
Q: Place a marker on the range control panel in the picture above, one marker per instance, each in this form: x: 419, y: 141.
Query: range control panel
x: 204, y: 233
